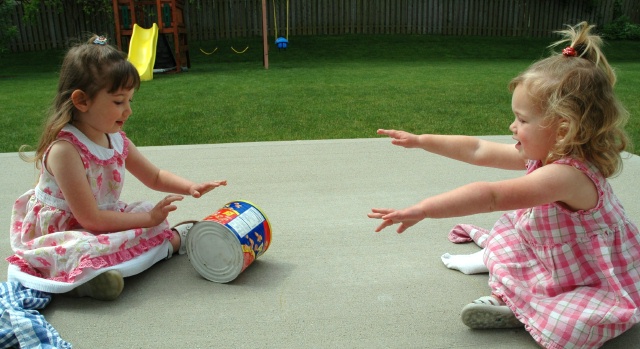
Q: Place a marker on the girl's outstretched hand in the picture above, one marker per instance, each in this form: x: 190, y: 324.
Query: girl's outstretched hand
x: 401, y: 138
x: 197, y: 190
x: 407, y: 217
x: 161, y: 210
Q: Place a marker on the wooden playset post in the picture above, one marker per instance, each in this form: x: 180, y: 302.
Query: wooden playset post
x: 125, y: 16
x: 171, y: 21
x: 265, y: 44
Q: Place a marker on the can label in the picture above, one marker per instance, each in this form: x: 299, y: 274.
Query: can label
x: 250, y: 226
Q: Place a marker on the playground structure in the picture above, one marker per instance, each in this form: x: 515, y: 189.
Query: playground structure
x: 281, y: 41
x: 143, y: 49
x: 169, y: 16
x: 265, y: 45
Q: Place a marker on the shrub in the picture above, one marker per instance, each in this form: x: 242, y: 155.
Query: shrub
x: 7, y: 30
x: 621, y: 29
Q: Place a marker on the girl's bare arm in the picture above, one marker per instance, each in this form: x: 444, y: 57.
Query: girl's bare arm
x: 165, y: 181
x: 468, y: 149
x: 65, y: 164
x: 550, y: 183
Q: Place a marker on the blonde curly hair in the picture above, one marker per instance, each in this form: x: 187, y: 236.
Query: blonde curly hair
x: 575, y: 92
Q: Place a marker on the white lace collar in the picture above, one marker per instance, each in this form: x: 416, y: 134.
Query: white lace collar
x: 102, y: 153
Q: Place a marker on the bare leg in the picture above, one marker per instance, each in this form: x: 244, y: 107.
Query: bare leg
x: 175, y: 240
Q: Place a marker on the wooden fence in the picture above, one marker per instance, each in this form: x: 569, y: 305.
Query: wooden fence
x: 220, y: 19
x: 57, y: 27
x: 215, y: 19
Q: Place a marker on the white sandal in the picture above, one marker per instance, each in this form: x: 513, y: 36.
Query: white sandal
x: 487, y: 313
x: 182, y: 229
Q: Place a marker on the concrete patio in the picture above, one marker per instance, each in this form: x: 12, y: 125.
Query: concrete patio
x: 327, y: 280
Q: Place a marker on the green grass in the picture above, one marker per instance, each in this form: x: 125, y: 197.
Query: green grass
x: 321, y: 87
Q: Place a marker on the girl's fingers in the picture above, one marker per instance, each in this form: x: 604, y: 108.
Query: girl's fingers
x: 169, y: 208
x: 383, y: 225
x: 388, y: 133
x: 382, y: 211
x: 171, y: 198
x: 174, y: 197
x: 204, y: 188
x: 214, y: 184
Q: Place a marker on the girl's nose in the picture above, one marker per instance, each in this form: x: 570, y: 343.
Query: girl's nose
x: 512, y: 127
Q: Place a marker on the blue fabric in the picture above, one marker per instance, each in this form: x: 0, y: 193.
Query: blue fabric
x: 21, y: 326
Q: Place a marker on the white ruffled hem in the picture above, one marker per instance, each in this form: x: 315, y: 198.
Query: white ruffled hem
x: 131, y: 267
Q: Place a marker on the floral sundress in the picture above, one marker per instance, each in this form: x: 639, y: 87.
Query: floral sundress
x: 47, y: 240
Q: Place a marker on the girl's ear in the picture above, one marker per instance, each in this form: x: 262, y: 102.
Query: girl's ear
x: 80, y: 100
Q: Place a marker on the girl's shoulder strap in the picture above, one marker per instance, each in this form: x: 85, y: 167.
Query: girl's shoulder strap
x: 74, y: 136
x: 592, y: 172
x: 99, y: 154
x: 585, y: 167
x: 580, y: 165
x: 533, y: 165
x: 63, y: 136
x: 120, y: 143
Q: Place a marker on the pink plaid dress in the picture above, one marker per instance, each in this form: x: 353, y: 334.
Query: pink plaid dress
x: 572, y: 278
x: 46, y: 238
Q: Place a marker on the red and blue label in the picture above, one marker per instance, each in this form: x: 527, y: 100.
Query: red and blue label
x: 250, y: 225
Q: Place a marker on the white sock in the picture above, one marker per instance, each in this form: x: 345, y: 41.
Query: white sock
x: 481, y: 239
x: 466, y: 263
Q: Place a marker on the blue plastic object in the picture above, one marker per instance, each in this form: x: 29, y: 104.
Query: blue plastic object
x: 282, y: 43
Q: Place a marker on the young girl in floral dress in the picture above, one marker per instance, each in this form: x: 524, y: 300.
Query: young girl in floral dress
x: 565, y: 260
x: 71, y: 233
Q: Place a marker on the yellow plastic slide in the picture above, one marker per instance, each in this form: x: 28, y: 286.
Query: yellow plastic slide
x: 142, y: 50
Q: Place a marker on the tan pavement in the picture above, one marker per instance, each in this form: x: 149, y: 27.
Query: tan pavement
x: 327, y: 281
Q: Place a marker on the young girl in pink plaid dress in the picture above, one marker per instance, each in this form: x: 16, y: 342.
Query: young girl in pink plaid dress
x: 71, y: 233
x: 565, y: 261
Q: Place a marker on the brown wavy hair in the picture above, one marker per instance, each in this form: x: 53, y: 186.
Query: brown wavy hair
x: 89, y: 67
x: 576, y: 94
